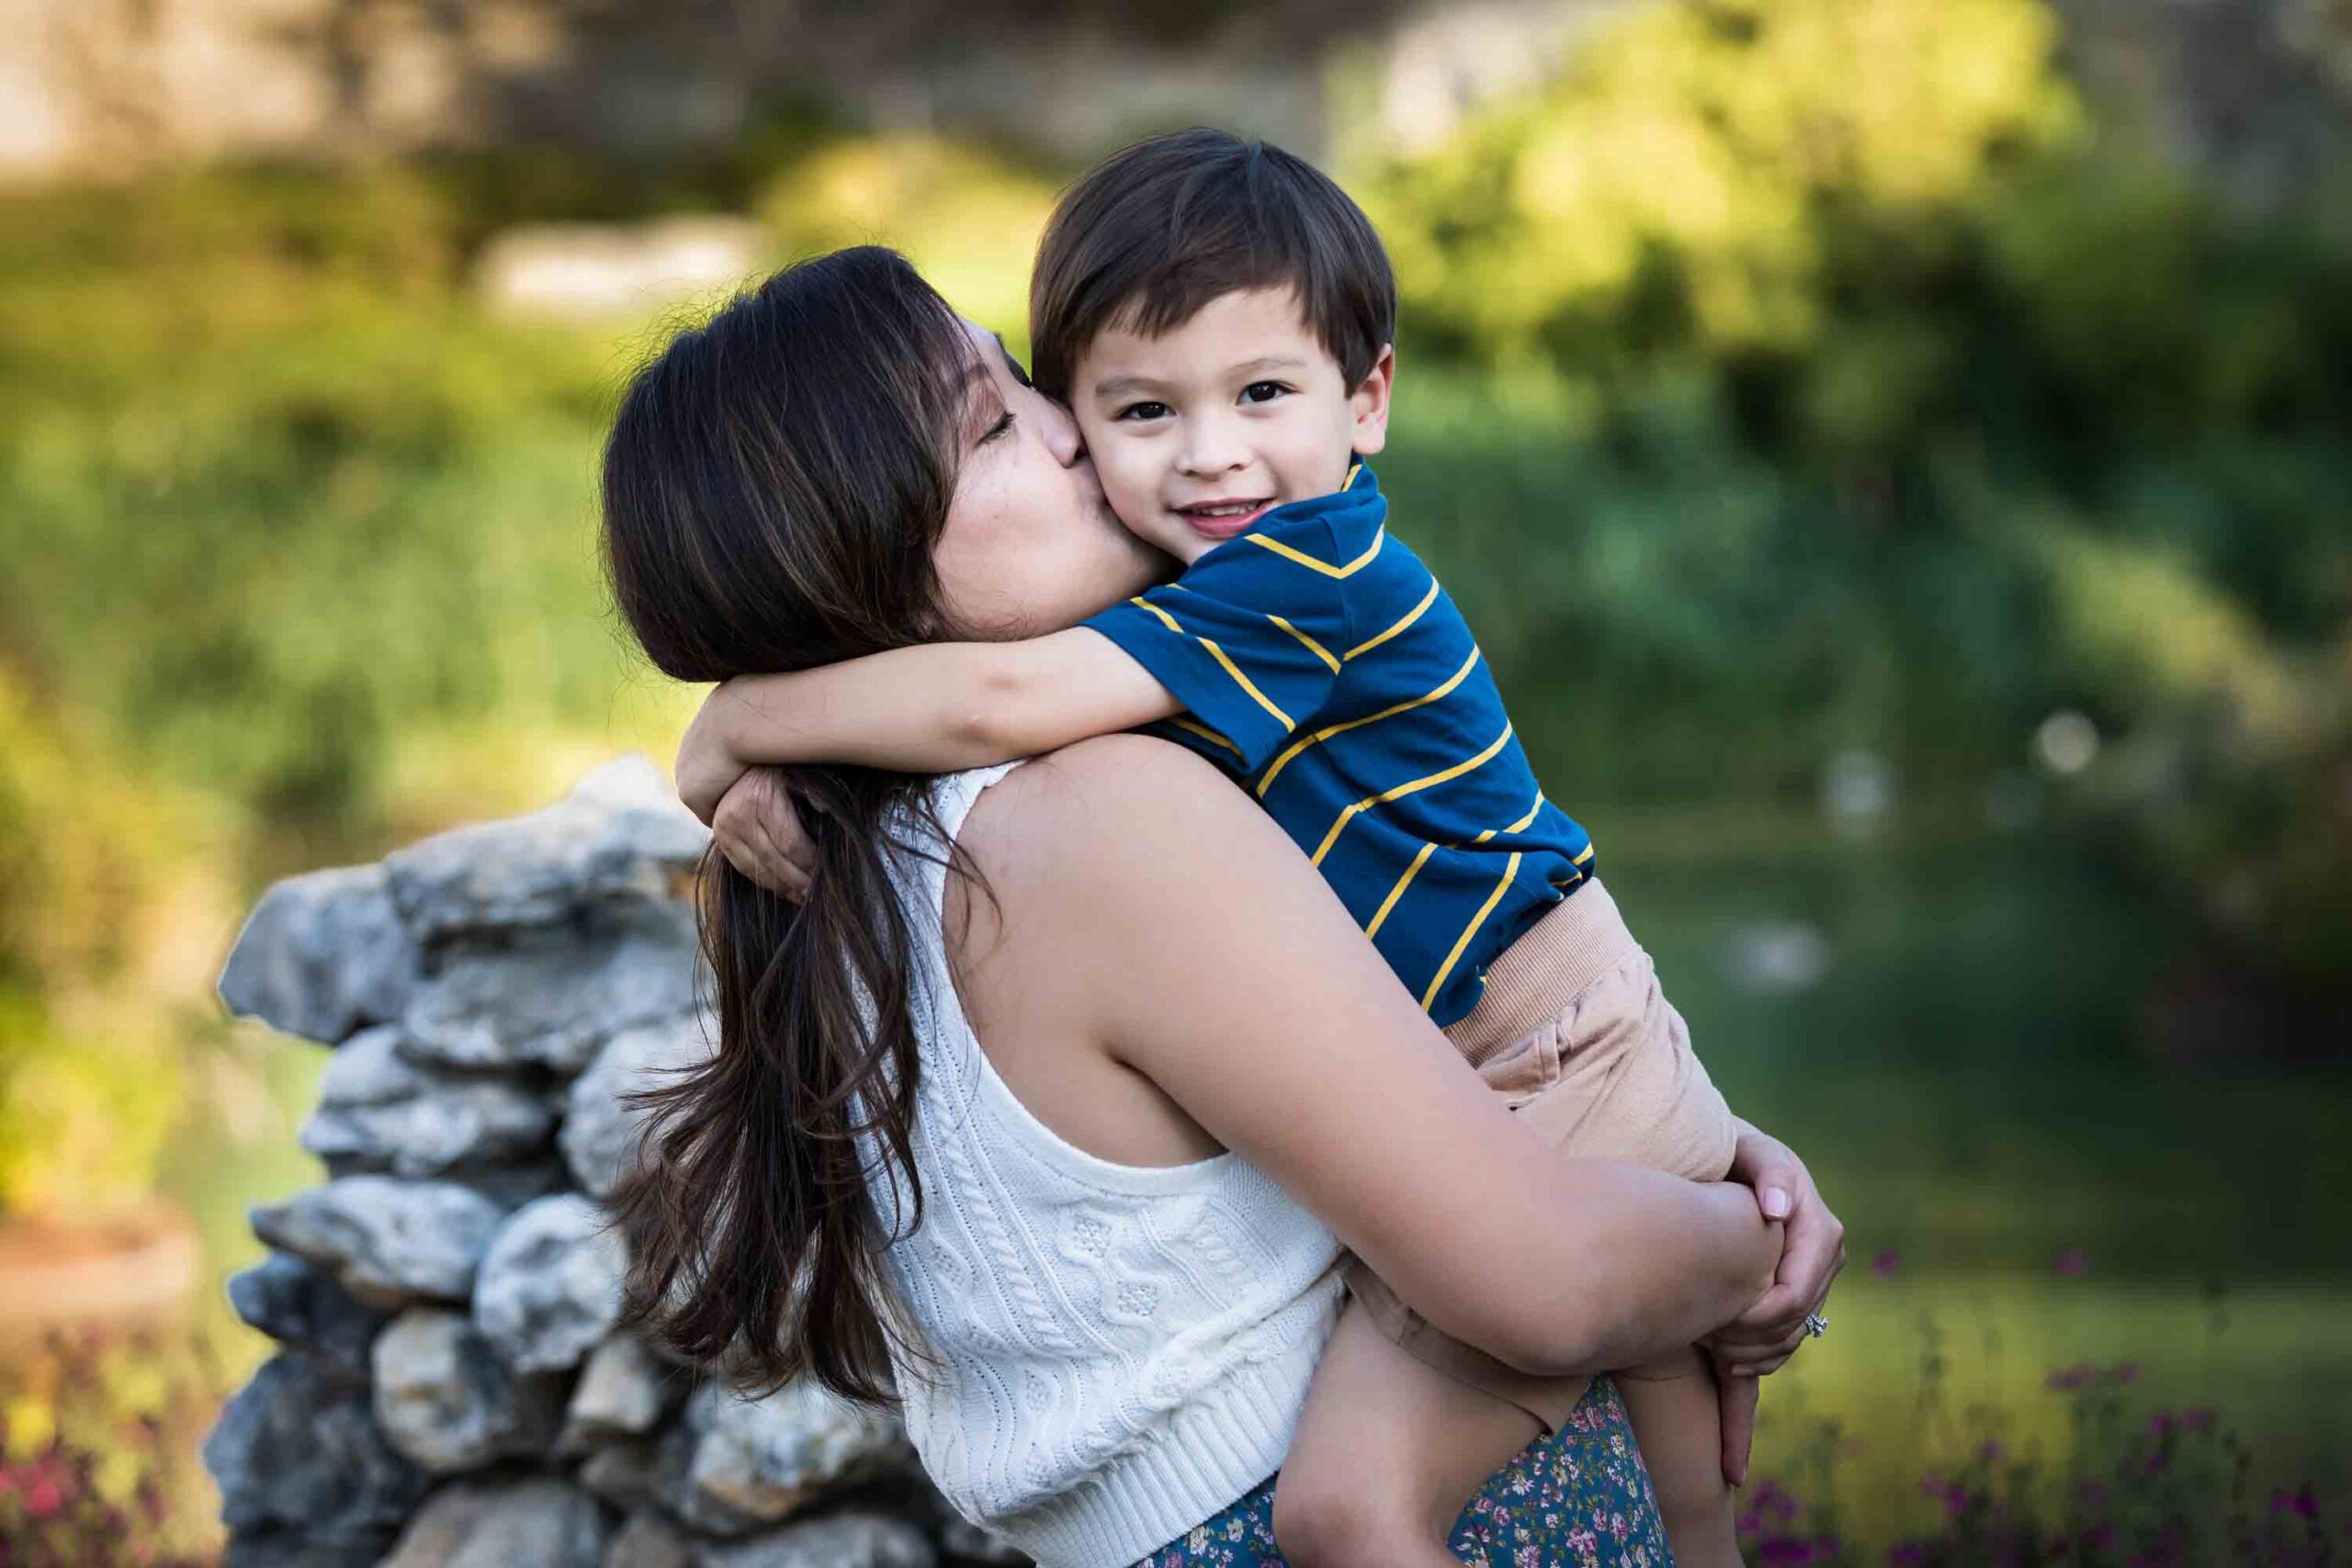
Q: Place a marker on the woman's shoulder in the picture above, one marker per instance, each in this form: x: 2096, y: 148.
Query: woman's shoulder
x: 1109, y: 784
x: 1067, y: 839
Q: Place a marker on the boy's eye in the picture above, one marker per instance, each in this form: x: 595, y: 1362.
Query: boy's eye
x: 1003, y: 424
x: 1144, y: 410
x: 1263, y: 391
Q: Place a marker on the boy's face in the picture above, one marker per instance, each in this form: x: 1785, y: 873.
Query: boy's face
x: 1198, y: 431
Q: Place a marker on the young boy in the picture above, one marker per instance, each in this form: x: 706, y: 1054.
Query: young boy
x: 1218, y: 316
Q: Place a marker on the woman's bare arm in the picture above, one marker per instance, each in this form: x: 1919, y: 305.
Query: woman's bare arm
x: 1158, y: 912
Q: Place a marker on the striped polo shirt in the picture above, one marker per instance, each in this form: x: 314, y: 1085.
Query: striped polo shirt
x: 1323, y: 666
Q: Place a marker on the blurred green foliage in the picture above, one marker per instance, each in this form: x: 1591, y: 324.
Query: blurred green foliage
x: 1780, y: 380
x: 1897, y: 405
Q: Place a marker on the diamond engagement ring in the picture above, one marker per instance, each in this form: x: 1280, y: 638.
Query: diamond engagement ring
x: 1815, y: 1324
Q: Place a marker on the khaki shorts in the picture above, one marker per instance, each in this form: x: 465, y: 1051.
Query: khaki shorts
x: 1574, y: 1031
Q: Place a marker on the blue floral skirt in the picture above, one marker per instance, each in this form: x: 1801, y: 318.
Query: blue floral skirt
x: 1578, y: 1496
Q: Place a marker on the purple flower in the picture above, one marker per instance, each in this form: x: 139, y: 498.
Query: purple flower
x: 1887, y: 1263
x: 1991, y: 1451
x: 2070, y: 1260
x: 2126, y: 1373
x: 2198, y: 1418
x: 2162, y: 1424
x: 1908, y: 1556
x: 1782, y: 1549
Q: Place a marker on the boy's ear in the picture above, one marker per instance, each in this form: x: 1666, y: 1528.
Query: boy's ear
x: 1370, y: 402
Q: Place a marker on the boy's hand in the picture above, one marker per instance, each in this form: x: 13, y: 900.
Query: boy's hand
x: 759, y: 832
x: 707, y: 769
x: 1764, y: 1336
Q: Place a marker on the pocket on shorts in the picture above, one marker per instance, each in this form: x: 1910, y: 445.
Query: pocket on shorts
x: 1631, y: 1086
x: 1526, y: 1067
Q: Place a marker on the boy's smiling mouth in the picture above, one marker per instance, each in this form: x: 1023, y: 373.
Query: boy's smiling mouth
x: 1224, y: 519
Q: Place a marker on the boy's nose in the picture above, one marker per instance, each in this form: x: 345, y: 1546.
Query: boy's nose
x: 1209, y: 449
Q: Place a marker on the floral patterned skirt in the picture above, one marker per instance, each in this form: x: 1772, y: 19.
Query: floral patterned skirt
x: 1578, y: 1496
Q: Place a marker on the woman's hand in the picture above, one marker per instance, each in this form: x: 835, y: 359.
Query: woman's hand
x: 756, y: 828
x: 1764, y: 1336
x: 708, y: 767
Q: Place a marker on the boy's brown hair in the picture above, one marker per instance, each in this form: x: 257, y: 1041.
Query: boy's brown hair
x: 1156, y: 232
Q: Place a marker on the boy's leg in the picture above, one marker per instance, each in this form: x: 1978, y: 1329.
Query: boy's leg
x: 1676, y: 1414
x: 1388, y: 1453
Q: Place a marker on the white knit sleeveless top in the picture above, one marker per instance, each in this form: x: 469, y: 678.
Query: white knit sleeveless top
x: 1123, y: 1350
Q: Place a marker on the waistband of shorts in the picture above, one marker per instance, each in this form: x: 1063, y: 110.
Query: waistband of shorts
x: 1578, y: 941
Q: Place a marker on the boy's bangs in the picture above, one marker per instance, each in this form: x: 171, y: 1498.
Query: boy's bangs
x: 1155, y: 232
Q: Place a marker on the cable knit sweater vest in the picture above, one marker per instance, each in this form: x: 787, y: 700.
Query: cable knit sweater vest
x: 1121, y: 1350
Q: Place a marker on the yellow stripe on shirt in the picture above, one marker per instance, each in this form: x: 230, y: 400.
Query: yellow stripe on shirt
x: 1410, y: 617
x: 1380, y: 917
x: 1313, y: 646
x: 1266, y: 779
x: 1412, y: 871
x: 1510, y: 870
x: 1219, y: 655
x: 1410, y: 787
x: 1165, y: 618
x: 1247, y: 684
x: 1206, y: 733
x: 1326, y: 568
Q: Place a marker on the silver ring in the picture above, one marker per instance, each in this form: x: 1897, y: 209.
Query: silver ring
x: 1815, y: 1324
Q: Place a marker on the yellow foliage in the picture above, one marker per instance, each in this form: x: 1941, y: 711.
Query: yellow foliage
x: 2143, y: 617
x: 968, y: 220
x: 1707, y: 134
x: 91, y: 865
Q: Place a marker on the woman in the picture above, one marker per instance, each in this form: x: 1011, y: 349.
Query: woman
x: 1050, y: 1108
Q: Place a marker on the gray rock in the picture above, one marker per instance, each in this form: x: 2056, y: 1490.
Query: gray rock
x: 554, y: 996
x: 600, y: 1133
x: 304, y: 1472
x: 322, y: 954
x: 508, y: 1187
x: 536, y: 1522
x: 841, y: 1540
x: 446, y: 1400
x: 298, y: 1549
x: 299, y: 1305
x: 622, y: 837
x: 628, y: 1474
x: 962, y: 1541
x: 550, y: 1284
x: 389, y: 1242
x: 753, y: 1462
x: 623, y: 1391
x: 512, y: 1186
x: 378, y: 1110
x: 649, y: 1540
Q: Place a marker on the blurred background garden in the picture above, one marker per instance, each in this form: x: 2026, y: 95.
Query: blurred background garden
x: 1897, y: 454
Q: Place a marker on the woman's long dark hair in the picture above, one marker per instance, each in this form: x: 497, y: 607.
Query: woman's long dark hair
x: 772, y: 487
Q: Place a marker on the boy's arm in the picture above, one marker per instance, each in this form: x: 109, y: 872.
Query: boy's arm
x: 927, y: 709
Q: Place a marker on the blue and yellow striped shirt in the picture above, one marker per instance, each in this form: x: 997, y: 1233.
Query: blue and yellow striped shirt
x: 1324, y: 666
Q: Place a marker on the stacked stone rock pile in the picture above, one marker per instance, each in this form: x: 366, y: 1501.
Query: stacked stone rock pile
x: 450, y: 1389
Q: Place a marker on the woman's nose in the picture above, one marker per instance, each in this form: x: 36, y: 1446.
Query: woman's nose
x: 1061, y: 433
